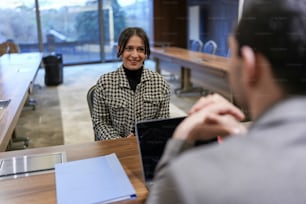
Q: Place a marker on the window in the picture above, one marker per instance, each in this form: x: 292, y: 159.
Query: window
x: 84, y: 31
x: 18, y: 23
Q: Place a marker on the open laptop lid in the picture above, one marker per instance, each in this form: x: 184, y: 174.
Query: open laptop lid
x: 152, y: 136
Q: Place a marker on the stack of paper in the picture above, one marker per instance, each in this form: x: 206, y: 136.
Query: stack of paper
x: 3, y: 105
x: 95, y: 180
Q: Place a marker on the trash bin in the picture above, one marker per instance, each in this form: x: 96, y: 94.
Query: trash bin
x: 53, y: 69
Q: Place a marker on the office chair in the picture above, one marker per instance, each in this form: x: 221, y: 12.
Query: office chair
x: 12, y: 47
x: 210, y: 47
x: 18, y: 142
x: 90, y: 95
x: 196, y: 45
x: 3, y: 49
x: 8, y: 47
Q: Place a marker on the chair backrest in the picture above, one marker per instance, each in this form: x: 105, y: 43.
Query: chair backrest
x: 8, y: 47
x: 3, y: 49
x: 90, y: 95
x: 13, y: 47
x: 196, y: 45
x: 210, y: 47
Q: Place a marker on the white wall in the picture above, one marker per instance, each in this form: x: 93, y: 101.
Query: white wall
x: 194, y: 22
x: 240, y: 8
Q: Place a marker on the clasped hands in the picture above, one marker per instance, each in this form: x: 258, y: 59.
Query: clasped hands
x: 210, y: 117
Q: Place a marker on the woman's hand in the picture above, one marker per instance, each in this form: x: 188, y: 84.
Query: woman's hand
x: 131, y: 135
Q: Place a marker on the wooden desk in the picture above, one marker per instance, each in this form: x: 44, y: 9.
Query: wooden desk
x: 17, y: 72
x: 41, y: 188
x: 209, y: 71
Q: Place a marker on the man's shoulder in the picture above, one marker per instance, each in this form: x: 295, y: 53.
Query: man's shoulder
x: 241, y: 169
x: 211, y: 166
x: 214, y: 156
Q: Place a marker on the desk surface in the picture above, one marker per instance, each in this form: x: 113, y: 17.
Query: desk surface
x: 41, y: 188
x: 192, y: 57
x: 17, y: 72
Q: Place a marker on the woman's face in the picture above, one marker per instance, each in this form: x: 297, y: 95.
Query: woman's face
x: 134, y: 55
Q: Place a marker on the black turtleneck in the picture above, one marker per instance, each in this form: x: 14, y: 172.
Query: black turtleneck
x: 133, y: 77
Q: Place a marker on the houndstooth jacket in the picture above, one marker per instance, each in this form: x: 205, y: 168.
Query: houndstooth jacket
x: 116, y: 107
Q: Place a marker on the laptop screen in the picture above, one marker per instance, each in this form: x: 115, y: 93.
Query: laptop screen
x: 152, y: 137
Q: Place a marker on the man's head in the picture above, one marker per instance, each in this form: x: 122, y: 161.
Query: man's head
x: 270, y: 35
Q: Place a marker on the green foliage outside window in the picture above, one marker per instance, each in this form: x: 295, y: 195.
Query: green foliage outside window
x: 86, y: 24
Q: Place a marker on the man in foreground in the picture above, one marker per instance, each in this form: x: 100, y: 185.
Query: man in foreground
x: 266, y: 164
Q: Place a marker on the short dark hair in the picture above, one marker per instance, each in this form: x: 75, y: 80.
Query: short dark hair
x: 127, y: 33
x: 276, y: 29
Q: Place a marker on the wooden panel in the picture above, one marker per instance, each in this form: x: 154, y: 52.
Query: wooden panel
x: 170, y: 22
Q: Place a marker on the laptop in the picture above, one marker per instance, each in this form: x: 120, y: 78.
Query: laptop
x: 152, y: 136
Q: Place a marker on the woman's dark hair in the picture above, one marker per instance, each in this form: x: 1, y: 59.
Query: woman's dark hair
x: 277, y: 30
x: 127, y: 33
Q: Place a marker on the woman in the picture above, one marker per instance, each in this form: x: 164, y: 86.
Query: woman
x: 131, y: 93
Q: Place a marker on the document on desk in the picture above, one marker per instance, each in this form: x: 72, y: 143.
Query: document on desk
x: 1, y: 113
x: 3, y: 105
x: 94, y: 180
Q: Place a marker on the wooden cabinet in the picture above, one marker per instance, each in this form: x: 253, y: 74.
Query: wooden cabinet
x: 170, y: 23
